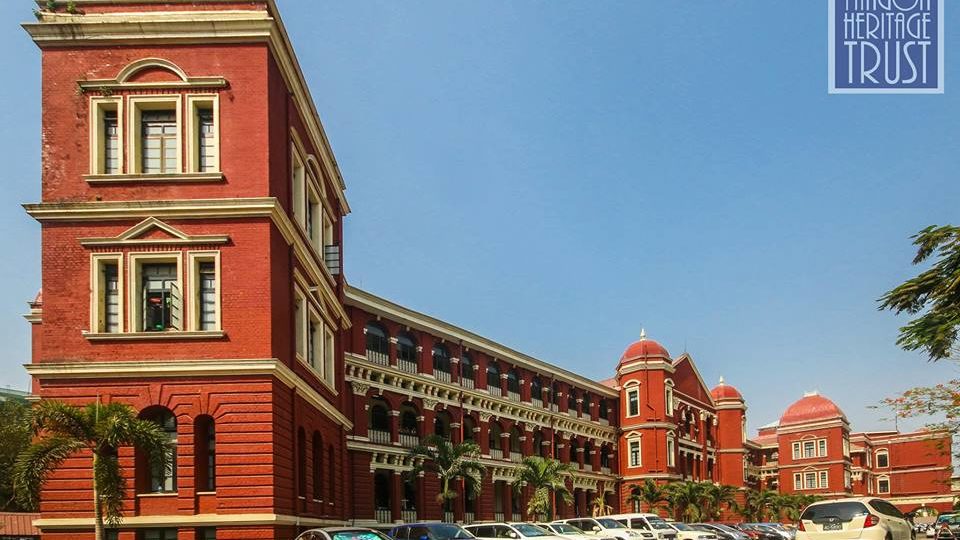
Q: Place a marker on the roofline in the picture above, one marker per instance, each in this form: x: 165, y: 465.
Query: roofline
x: 372, y: 302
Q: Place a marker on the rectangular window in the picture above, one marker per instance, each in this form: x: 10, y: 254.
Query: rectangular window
x: 797, y: 482
x: 105, y: 286
x: 111, y: 143
x: 822, y: 478
x: 883, y: 460
x: 206, y: 146
x: 158, y: 534
x: 847, y: 480
x: 796, y: 450
x: 633, y: 402
x: 207, y: 533
x: 207, y: 295
x: 822, y: 448
x: 203, y: 155
x: 668, y: 398
x: 327, y: 230
x: 299, y: 324
x: 671, y: 450
x: 315, y: 344
x: 298, y: 188
x: 314, y: 219
x: 328, y: 355
x: 160, y: 297
x: 634, y: 453
x: 158, y: 142
x: 809, y: 449
x: 106, y: 135
x: 883, y: 486
x: 810, y: 480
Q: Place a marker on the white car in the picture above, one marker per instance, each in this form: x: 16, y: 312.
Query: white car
x: 567, y: 531
x: 519, y: 531
x: 608, y: 528
x: 864, y: 518
x: 651, y: 523
x: 686, y: 532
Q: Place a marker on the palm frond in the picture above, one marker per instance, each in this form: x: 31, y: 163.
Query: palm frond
x: 35, y: 464
x: 111, y: 487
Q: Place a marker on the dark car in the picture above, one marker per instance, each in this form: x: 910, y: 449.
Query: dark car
x: 723, y: 532
x: 342, y: 533
x: 430, y: 531
x: 759, y: 533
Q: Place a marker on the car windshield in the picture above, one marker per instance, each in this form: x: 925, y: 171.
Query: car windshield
x: 683, y: 527
x: 530, y: 530
x: 844, y: 511
x: 358, y: 535
x: 659, y: 524
x: 608, y: 523
x: 952, y: 519
x: 563, y: 528
x: 725, y: 528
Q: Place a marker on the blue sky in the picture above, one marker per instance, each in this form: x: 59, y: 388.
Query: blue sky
x: 555, y: 175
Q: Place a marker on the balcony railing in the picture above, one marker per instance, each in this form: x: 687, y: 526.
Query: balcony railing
x: 496, y: 453
x: 468, y: 518
x: 516, y: 457
x: 605, y: 470
x: 409, y: 440
x: 383, y: 515
x: 448, y: 517
x: 498, y: 516
x: 378, y: 436
x: 407, y: 365
x: 442, y: 376
x: 536, y: 402
x: 494, y: 391
x: 554, y: 407
x: 588, y: 467
x: 467, y: 383
x: 513, y: 396
x: 409, y: 516
x: 378, y: 357
x: 517, y: 517
x: 604, y: 422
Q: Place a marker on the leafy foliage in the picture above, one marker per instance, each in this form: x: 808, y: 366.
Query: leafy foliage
x: 449, y: 462
x: 649, y: 493
x: 935, y: 293
x: 547, y: 479
x: 96, y: 430
x: 15, y: 436
x: 942, y: 400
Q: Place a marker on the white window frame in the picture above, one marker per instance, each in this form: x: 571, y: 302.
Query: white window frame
x: 300, y: 314
x: 97, y: 292
x: 668, y: 401
x: 298, y: 184
x: 317, y: 215
x: 886, y: 455
x: 823, y: 479
x: 136, y: 105
x: 631, y: 443
x: 797, y: 451
x: 880, y: 490
x: 329, y: 356
x: 136, y: 260
x: 807, y: 483
x: 633, y: 391
x: 671, y: 452
x: 797, y: 482
x: 194, y: 104
x: 821, y: 448
x: 194, y: 258
x: 314, y: 320
x: 99, y: 105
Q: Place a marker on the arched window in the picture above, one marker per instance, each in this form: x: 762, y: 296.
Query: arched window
x: 556, y: 394
x: 557, y: 445
x: 409, y: 425
x: 205, y: 453
x: 574, y: 446
x: 586, y: 404
x: 406, y: 351
x: 441, y: 363
x: 378, y: 344
x: 513, y: 382
x: 379, y: 415
x: 317, y: 466
x: 883, y: 459
x: 381, y: 496
x: 602, y: 408
x: 538, y: 447
x: 493, y: 375
x: 441, y: 424
x: 494, y: 437
x: 301, y: 463
x: 515, y: 441
x: 468, y: 426
x: 536, y: 388
x: 587, y: 448
x: 466, y: 368
x: 164, y: 479
x: 668, y: 397
x: 605, y: 456
x: 572, y: 400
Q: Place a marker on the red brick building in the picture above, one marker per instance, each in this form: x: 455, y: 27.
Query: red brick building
x: 191, y: 217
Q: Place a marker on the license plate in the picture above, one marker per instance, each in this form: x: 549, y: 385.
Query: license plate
x: 832, y: 526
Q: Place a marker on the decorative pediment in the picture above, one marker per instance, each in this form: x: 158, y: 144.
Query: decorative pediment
x: 152, y: 231
x: 152, y: 73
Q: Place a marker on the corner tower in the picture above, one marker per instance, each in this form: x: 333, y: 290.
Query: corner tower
x: 731, y: 433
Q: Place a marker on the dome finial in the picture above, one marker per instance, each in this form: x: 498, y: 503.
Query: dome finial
x: 721, y: 381
x: 643, y: 334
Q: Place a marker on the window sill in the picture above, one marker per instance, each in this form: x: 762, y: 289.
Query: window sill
x: 206, y: 493
x: 164, y: 494
x: 180, y: 178
x: 129, y: 336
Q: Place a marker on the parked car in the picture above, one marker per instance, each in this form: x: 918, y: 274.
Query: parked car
x: 647, y: 523
x: 723, y: 532
x: 565, y: 530
x: 607, y: 527
x: 779, y: 529
x: 758, y: 533
x: 429, y: 531
x: 518, y: 531
x: 947, y: 527
x: 866, y: 518
x: 342, y: 533
x: 686, y: 532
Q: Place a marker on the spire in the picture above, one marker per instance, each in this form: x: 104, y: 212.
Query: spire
x: 721, y: 381
x: 643, y: 334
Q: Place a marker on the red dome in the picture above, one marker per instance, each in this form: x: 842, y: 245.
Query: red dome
x: 725, y: 391
x: 645, y: 348
x: 812, y: 407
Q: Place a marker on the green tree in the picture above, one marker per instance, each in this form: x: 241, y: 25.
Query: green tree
x: 935, y: 293
x: 450, y: 462
x: 95, y: 430
x: 15, y: 436
x: 547, y: 479
x: 757, y: 505
x: 716, y: 497
x: 649, y: 493
x: 685, y: 500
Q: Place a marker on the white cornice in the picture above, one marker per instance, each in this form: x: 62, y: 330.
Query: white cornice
x: 190, y: 368
x: 409, y: 317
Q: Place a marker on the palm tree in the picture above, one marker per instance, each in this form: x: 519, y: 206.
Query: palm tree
x: 98, y: 430
x: 649, y: 493
x: 599, y: 506
x: 450, y: 462
x: 716, y: 497
x: 546, y: 477
x: 757, y: 504
x: 685, y: 500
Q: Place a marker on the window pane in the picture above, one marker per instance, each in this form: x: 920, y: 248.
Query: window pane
x: 158, y: 281
x: 208, y: 296
x: 206, y: 148
x: 111, y: 299
x: 158, y: 143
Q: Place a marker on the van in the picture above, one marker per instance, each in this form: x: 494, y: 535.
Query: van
x: 647, y: 522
